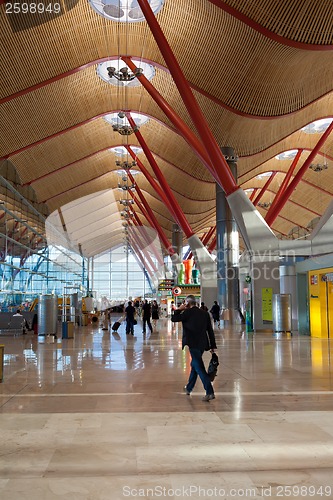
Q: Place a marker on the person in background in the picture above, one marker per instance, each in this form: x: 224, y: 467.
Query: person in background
x: 203, y: 307
x: 105, y: 320
x: 215, y: 312
x: 198, y: 335
x: 154, y: 313
x: 146, y: 315
x: 130, y: 312
x: 24, y: 323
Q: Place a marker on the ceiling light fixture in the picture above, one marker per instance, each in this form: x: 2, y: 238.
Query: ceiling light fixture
x: 124, y: 129
x: 125, y: 187
x: 318, y: 167
x: 126, y: 202
x: 115, y: 73
x: 264, y: 204
x: 125, y: 165
x: 124, y: 74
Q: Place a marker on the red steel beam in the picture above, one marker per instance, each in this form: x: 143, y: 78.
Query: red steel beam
x: 208, y: 236
x: 134, y: 238
x: 212, y: 245
x: 95, y: 153
x: 72, y: 71
x: 298, y: 177
x: 253, y: 194
x: 180, y: 125
x: 219, y: 164
x: 264, y: 189
x: 140, y: 244
x: 136, y: 222
x: 167, y: 196
x: 64, y: 131
x: 143, y: 210
x: 284, y: 184
x: 141, y: 258
x: 175, y: 119
x: 147, y: 211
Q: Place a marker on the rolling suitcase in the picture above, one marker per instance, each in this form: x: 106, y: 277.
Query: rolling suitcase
x: 115, y: 326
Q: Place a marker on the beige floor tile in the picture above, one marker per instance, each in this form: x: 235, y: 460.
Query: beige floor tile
x: 104, y: 416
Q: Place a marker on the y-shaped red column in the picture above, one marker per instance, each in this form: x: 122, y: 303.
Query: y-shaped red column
x: 218, y: 161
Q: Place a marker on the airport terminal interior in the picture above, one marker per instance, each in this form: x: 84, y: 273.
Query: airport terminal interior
x: 155, y: 149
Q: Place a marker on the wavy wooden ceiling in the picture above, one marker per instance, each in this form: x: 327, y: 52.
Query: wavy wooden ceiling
x: 260, y: 71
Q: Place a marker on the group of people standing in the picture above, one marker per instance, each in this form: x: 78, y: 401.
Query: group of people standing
x: 149, y: 311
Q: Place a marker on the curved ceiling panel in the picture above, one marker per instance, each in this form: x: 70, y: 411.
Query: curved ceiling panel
x: 259, y: 70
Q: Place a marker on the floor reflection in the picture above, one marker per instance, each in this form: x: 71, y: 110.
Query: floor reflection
x: 262, y: 364
x: 81, y: 418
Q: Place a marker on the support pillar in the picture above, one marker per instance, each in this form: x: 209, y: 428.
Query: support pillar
x: 177, y: 244
x: 227, y: 250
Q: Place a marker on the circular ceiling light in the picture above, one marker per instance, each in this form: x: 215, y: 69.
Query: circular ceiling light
x: 109, y: 70
x: 124, y: 11
x: 122, y: 151
x: 115, y: 119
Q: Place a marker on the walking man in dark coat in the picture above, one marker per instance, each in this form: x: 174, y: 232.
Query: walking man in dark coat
x: 198, y: 335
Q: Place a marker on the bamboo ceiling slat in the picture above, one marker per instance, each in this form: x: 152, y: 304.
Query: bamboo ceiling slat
x: 306, y: 21
x: 243, y: 74
x: 74, y: 32
x: 45, y: 188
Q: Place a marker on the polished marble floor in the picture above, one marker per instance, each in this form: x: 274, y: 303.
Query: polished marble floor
x: 103, y: 416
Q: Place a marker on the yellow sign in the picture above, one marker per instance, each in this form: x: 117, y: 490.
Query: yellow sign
x: 266, y: 304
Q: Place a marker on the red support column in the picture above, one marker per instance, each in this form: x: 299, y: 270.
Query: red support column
x: 218, y: 161
x: 298, y: 177
x: 146, y: 256
x: 167, y: 196
x: 175, y: 119
x: 264, y: 189
x: 141, y: 258
x: 144, y: 211
x: 208, y: 236
x: 145, y: 235
x: 151, y: 217
x: 253, y: 194
x: 284, y: 184
x: 212, y: 245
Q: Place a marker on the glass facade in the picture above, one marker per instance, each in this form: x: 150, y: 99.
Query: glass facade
x: 30, y: 267
x: 117, y: 275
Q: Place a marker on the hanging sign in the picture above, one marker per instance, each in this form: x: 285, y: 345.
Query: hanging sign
x: 176, y: 291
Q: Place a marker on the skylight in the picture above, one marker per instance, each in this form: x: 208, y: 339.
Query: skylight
x: 122, y: 151
x: 114, y: 119
x: 124, y: 11
x: 263, y: 174
x: 287, y: 155
x: 318, y: 126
